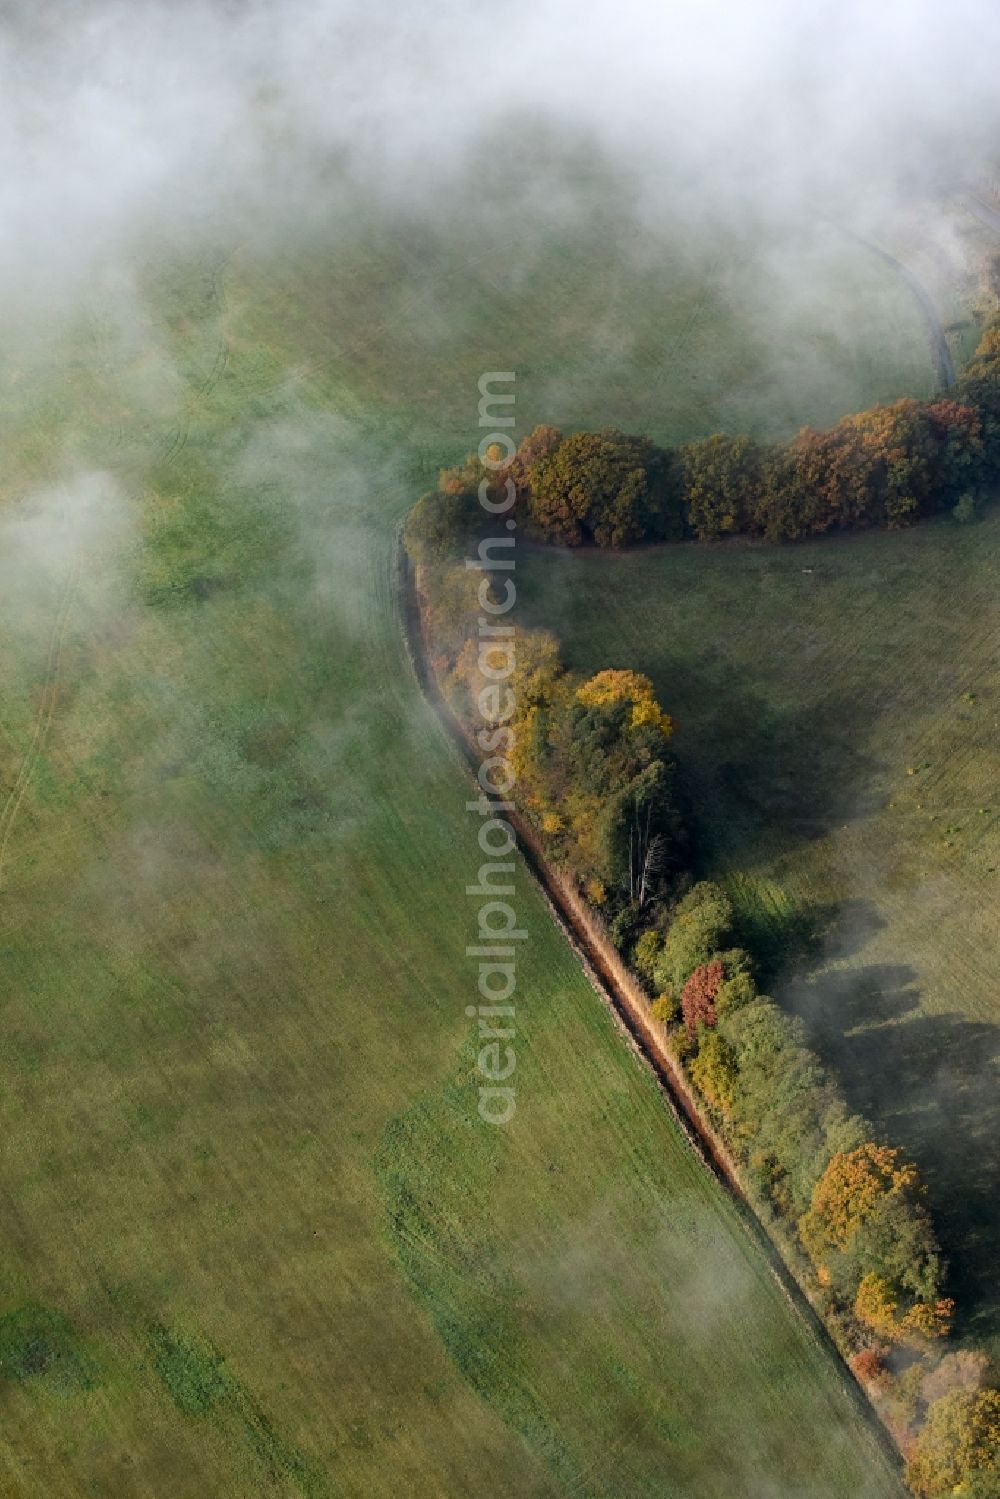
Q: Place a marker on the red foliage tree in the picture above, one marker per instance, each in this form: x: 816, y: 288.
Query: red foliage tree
x: 698, y: 996
x: 869, y: 1367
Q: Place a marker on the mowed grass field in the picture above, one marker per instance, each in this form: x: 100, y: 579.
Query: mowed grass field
x: 839, y: 711
x: 255, y: 1239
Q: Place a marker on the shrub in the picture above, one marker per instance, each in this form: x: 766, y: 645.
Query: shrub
x: 37, y: 1343
x: 646, y: 952
x: 194, y: 1375
x: 869, y: 1368
x: 679, y: 1043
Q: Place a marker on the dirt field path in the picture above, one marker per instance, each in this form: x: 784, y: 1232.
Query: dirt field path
x: 944, y: 364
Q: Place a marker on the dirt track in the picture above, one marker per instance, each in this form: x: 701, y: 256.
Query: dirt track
x: 944, y: 365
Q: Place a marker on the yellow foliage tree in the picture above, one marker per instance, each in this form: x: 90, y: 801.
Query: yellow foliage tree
x: 612, y: 686
x: 960, y: 1440
x: 929, y: 1319
x: 875, y: 1305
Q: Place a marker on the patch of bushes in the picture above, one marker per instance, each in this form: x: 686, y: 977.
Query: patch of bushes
x: 197, y: 1380
x: 193, y: 1375
x: 37, y: 1343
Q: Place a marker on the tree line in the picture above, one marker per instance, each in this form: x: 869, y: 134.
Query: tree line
x: 884, y: 467
x: 596, y: 776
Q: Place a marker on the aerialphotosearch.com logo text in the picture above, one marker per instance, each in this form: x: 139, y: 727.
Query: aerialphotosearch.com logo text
x: 497, y: 929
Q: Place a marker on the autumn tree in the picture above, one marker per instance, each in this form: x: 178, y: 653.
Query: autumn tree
x: 957, y: 430
x: 869, y: 1368
x: 720, y: 483
x: 540, y: 443
x: 714, y: 1071
x: 610, y: 755
x: 884, y: 466
x: 592, y: 765
x: 791, y: 503
x: 698, y: 996
x: 629, y: 687
x: 958, y: 1445
x: 699, y: 930
x: 463, y: 478
x: 664, y: 1009
x: 786, y: 1107
x: 876, y: 1305
x: 850, y: 1190
x: 602, y: 486
x: 437, y: 526
x: 868, y: 1230
x: 646, y: 951
x: 739, y: 988
x: 897, y: 453
x: 979, y: 387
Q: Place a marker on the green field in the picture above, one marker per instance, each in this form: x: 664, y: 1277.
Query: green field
x: 255, y: 1239
x: 839, y: 706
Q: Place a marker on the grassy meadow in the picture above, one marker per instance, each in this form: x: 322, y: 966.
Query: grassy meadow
x: 839, y: 706
x: 255, y: 1239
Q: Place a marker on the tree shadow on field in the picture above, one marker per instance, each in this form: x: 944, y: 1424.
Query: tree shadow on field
x: 758, y: 767
x: 928, y: 1083
x: 795, y: 939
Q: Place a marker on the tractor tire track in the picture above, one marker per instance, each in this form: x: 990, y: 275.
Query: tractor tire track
x: 944, y: 365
